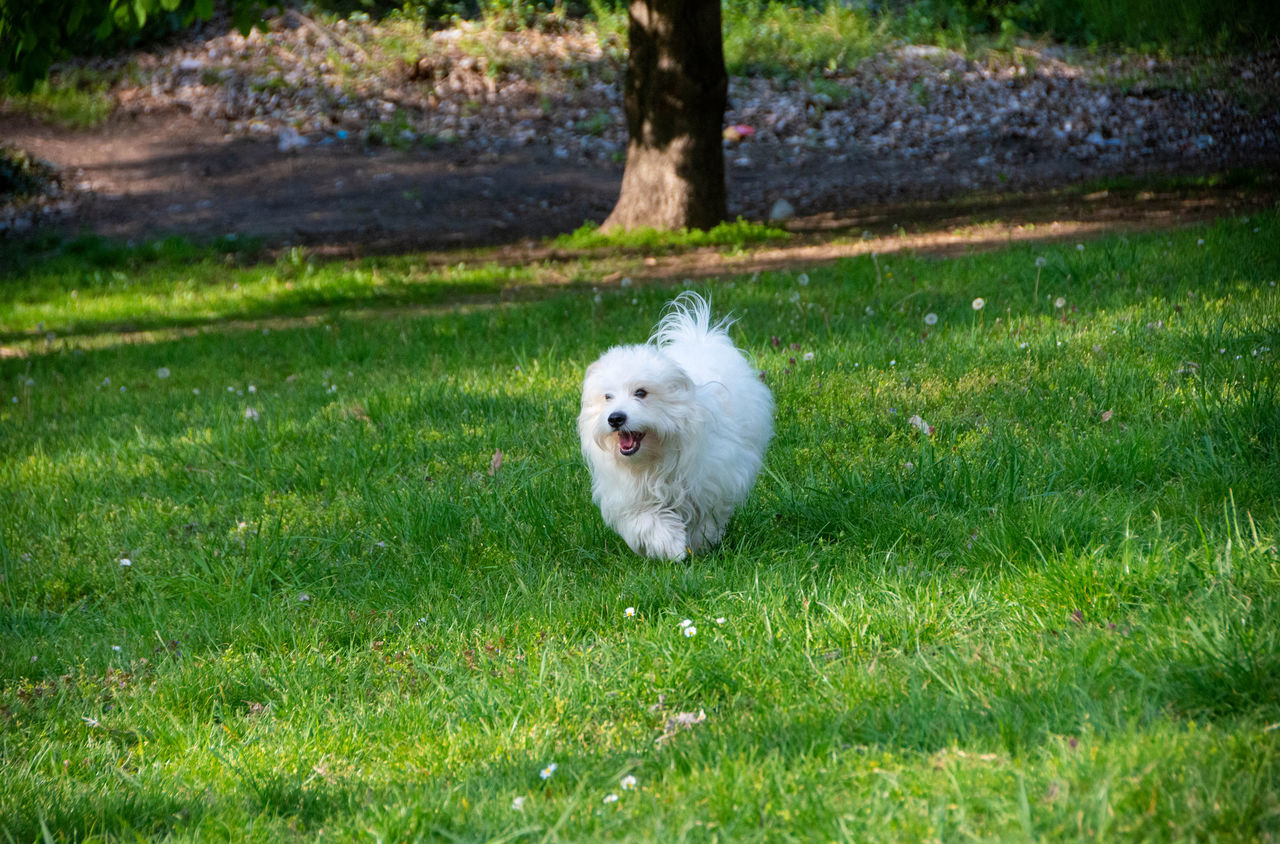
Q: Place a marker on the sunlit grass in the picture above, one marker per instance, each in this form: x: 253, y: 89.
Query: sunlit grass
x: 1055, y: 616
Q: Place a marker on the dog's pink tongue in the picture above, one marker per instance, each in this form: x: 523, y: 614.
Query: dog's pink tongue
x: 628, y: 441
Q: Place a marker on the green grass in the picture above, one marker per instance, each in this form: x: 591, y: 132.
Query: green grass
x: 736, y: 235
x: 73, y: 98
x: 1056, y: 617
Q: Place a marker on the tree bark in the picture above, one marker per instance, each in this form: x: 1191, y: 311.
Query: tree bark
x: 675, y: 95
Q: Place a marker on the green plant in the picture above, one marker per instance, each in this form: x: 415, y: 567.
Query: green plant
x: 74, y: 97
x: 36, y: 33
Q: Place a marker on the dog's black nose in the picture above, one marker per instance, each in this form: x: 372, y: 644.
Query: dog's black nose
x: 617, y: 419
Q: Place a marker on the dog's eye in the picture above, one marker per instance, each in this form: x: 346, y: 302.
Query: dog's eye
x: 641, y: 393
x: 608, y: 396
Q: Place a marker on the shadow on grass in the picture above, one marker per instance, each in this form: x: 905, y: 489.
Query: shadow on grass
x: 531, y: 273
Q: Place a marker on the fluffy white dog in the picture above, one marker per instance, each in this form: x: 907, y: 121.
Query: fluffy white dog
x: 674, y: 432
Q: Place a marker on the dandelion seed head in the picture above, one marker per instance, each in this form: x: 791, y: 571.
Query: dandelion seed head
x: 1040, y: 261
x: 930, y: 319
x: 802, y: 279
x: 978, y: 303
x: 1059, y: 302
x: 162, y: 372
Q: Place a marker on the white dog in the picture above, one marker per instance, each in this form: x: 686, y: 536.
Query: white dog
x: 674, y: 432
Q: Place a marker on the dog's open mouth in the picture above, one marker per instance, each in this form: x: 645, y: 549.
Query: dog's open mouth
x: 629, y: 442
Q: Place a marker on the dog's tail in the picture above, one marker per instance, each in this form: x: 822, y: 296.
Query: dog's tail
x: 688, y: 320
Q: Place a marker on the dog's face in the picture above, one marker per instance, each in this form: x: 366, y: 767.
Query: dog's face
x: 635, y: 403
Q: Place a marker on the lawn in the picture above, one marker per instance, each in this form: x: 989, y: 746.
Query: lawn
x: 301, y: 547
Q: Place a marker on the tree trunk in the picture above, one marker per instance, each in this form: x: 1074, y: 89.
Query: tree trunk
x: 675, y: 96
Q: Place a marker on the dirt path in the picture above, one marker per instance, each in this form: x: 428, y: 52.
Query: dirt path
x: 144, y: 176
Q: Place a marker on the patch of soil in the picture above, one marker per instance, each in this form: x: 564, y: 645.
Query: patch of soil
x: 146, y: 175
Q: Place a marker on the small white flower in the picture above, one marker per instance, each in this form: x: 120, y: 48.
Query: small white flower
x: 802, y: 279
x: 115, y: 648
x: 122, y: 389
x: 92, y: 722
x: 1079, y: 247
x: 690, y: 631
x: 629, y: 612
x: 517, y: 803
x: 1059, y: 302
x: 1022, y: 345
x: 808, y: 355
x: 126, y: 562
x: 893, y: 363
x: 626, y: 282
x: 611, y: 798
x: 231, y: 389
x: 304, y: 598
x: 162, y: 372
x: 686, y: 623
x: 931, y: 319
x: 195, y: 391
x: 253, y: 389
x: 869, y: 310
x: 721, y: 620
x: 250, y: 413
x: 978, y: 303
x: 546, y: 772
x: 628, y: 782
x: 1040, y: 261
x: 1200, y: 242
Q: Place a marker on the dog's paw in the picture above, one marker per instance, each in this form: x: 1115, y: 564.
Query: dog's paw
x: 705, y: 534
x: 658, y: 535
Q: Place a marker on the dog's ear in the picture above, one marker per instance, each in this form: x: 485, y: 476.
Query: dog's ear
x: 679, y: 383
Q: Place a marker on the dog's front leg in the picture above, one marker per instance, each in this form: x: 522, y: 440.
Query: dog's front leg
x: 655, y: 533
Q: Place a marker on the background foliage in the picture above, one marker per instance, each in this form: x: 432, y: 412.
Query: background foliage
x: 36, y: 33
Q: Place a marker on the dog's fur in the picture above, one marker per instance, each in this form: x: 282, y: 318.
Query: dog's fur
x: 674, y: 432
